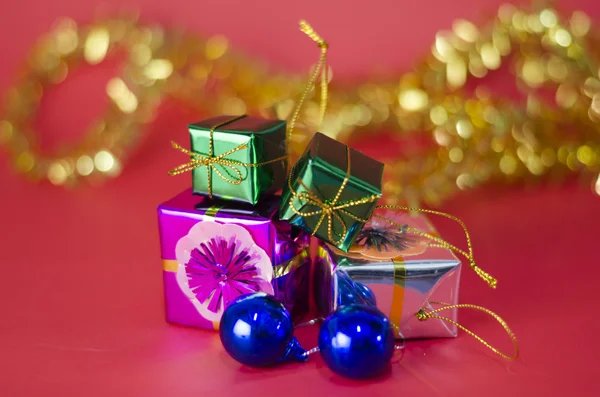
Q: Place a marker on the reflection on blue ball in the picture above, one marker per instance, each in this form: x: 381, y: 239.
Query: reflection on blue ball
x: 357, y: 341
x: 257, y: 330
x: 366, y: 293
x: 351, y: 292
x: 347, y: 294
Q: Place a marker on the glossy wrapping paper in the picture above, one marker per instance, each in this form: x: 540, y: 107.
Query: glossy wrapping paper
x: 322, y: 169
x: 265, y: 140
x: 402, y: 285
x: 214, y: 251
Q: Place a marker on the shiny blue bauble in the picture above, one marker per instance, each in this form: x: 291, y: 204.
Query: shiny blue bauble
x: 346, y: 292
x: 357, y: 341
x: 350, y: 292
x: 366, y: 293
x: 257, y: 330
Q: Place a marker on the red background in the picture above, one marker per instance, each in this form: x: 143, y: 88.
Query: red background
x: 80, y: 293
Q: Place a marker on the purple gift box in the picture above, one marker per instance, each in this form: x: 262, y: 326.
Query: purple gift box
x: 215, y: 251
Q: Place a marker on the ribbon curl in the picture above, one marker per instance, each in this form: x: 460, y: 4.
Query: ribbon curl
x: 424, y: 315
x: 320, y: 68
x: 489, y: 279
x: 330, y: 209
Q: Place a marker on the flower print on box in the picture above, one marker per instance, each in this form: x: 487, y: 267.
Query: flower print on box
x: 219, y: 262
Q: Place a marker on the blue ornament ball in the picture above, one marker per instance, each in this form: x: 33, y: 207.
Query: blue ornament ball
x: 257, y: 330
x: 352, y: 292
x: 357, y: 341
x: 347, y: 293
x: 367, y: 293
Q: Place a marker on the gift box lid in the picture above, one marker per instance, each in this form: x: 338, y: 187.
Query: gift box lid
x: 186, y: 201
x: 331, y: 155
x: 179, y: 214
x: 246, y: 126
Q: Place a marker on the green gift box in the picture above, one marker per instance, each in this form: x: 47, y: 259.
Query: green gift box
x: 331, y: 191
x: 236, y: 158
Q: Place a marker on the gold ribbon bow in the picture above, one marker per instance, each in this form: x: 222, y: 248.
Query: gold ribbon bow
x: 424, y: 315
x: 210, y: 161
x: 330, y: 209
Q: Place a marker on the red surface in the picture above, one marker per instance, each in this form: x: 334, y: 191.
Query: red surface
x: 80, y: 293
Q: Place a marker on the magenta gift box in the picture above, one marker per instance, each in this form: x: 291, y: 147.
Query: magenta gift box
x: 214, y: 251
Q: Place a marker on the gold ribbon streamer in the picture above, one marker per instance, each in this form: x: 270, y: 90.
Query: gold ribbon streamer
x: 329, y: 209
x: 210, y: 161
x: 332, y: 210
x: 424, y: 315
x: 321, y: 69
x: 490, y: 280
x: 292, y: 264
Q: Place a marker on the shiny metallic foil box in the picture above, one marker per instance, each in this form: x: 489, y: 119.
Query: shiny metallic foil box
x: 402, y: 275
x: 214, y: 251
x: 247, y: 140
x: 331, y: 189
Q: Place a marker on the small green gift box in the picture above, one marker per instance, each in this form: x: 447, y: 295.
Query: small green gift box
x: 238, y: 158
x: 332, y: 191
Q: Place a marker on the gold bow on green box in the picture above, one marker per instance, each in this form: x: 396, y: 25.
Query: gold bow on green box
x: 236, y: 158
x: 331, y: 191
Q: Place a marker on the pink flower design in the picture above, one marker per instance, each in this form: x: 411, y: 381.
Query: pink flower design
x: 219, y: 262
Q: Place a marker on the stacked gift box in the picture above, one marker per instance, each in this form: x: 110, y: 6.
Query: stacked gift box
x: 223, y: 238
x: 246, y: 226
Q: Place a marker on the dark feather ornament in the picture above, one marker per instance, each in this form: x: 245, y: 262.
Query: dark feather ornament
x: 385, y: 238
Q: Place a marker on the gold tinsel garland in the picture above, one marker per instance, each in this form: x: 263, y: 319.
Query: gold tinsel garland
x: 475, y: 138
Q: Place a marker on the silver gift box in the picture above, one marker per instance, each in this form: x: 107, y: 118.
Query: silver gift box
x: 400, y: 281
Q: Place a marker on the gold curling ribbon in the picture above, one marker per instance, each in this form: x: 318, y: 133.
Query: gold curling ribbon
x: 489, y: 279
x: 321, y: 69
x: 424, y: 315
x: 329, y: 209
x: 210, y: 161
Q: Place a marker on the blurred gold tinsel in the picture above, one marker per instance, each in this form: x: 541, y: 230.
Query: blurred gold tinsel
x: 476, y: 136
